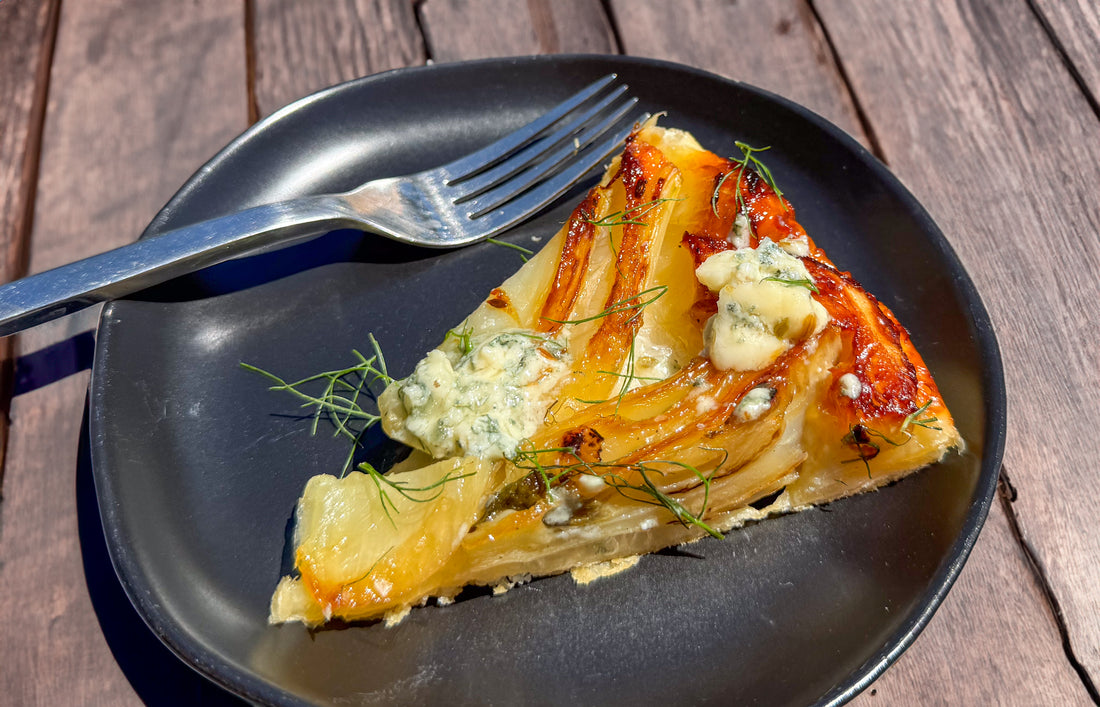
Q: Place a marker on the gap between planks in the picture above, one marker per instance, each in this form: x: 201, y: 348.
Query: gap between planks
x: 418, y: 15
x: 861, y: 113
x: 1071, y: 67
x: 1006, y: 494
x: 18, y: 257
x: 613, y: 23
x: 250, y: 60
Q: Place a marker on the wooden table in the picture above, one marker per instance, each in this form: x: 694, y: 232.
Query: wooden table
x: 986, y: 109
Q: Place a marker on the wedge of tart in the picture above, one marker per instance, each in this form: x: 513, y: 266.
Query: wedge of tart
x: 680, y: 350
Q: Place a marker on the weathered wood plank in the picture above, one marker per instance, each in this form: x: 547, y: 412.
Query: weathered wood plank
x: 140, y: 95
x: 29, y: 26
x: 976, y: 112
x: 474, y: 29
x: 28, y: 30
x: 301, y: 47
x: 1076, y: 26
x: 991, y: 642
x: 778, y: 46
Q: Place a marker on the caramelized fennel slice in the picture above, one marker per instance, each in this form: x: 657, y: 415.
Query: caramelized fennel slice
x: 520, y: 543
x: 834, y: 469
x: 365, y: 546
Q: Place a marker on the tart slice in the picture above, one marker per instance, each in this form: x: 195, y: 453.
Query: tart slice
x: 680, y: 351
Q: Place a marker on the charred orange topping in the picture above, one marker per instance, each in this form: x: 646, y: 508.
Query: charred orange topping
x: 892, y: 376
x: 572, y: 265
x: 642, y: 171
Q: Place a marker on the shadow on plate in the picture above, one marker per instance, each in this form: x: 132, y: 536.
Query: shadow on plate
x: 156, y: 674
x: 343, y: 246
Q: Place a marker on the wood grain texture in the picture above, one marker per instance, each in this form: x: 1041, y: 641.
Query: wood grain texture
x: 54, y: 653
x: 25, y: 58
x: 991, y: 642
x: 301, y: 47
x: 977, y: 114
x: 1076, y: 26
x: 28, y: 26
x: 778, y: 46
x: 474, y: 29
x: 141, y: 94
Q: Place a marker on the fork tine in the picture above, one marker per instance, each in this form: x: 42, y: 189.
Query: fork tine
x: 540, y: 196
x: 469, y: 188
x: 507, y: 191
x: 488, y: 156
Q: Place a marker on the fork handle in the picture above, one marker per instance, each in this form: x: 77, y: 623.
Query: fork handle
x: 151, y: 261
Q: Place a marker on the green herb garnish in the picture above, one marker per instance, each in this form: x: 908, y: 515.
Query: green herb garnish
x: 630, y: 216
x: 463, y: 336
x: 339, y: 398
x: 650, y: 493
x: 625, y: 380
x: 622, y: 305
x: 804, y: 282
x: 914, y: 418
x: 416, y: 494
x: 859, y: 436
x: 660, y: 498
x: 748, y: 160
x: 524, y: 253
x: 369, y: 570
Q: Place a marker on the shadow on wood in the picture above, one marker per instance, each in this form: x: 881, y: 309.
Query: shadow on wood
x: 157, y: 676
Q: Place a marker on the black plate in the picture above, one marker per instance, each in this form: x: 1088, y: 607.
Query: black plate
x: 197, y: 466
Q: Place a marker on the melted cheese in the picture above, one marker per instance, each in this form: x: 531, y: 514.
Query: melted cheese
x: 765, y: 305
x: 488, y: 400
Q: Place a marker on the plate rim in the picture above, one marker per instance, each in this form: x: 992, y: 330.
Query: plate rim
x: 242, y: 683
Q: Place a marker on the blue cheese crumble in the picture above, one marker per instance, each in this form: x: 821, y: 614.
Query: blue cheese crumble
x: 850, y: 386
x: 482, y: 403
x: 755, y: 403
x: 765, y: 306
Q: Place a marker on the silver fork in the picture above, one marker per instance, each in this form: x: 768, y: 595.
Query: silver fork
x: 465, y: 201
